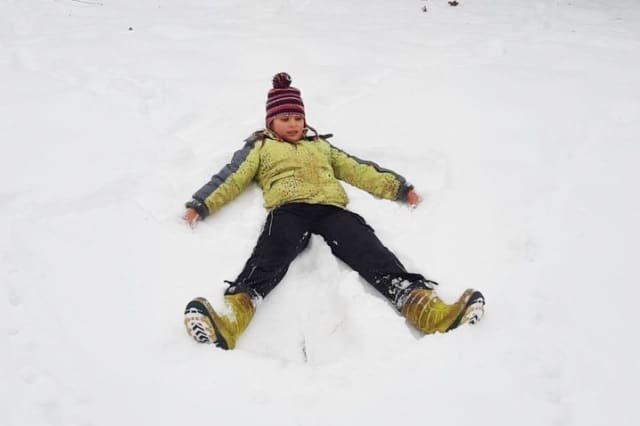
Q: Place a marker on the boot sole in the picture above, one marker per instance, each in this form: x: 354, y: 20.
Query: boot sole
x: 472, y: 312
x: 201, y: 322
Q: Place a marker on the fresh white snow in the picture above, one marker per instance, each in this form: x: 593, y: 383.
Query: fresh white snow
x: 518, y: 123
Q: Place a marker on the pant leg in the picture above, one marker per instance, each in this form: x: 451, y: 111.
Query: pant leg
x: 284, y: 235
x: 354, y: 242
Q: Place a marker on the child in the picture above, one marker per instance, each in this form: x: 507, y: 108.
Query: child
x: 298, y: 175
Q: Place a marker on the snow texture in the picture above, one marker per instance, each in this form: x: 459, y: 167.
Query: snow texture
x: 517, y: 122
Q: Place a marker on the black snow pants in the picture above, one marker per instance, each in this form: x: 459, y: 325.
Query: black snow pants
x: 286, y: 233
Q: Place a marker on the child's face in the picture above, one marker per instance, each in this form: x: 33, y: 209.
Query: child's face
x: 289, y: 127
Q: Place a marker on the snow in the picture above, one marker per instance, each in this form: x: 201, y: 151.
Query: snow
x: 516, y: 121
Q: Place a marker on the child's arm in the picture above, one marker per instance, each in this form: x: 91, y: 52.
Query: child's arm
x: 370, y: 177
x: 225, y: 185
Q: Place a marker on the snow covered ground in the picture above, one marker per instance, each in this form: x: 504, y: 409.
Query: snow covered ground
x: 517, y: 121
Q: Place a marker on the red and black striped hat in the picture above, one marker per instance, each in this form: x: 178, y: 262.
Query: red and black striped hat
x: 283, y: 99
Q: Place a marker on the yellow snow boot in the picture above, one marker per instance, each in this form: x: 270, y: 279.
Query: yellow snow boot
x: 205, y: 325
x: 424, y: 309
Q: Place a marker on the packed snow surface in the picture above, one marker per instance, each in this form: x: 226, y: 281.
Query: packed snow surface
x: 518, y: 122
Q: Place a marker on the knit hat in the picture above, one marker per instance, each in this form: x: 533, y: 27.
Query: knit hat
x: 283, y: 99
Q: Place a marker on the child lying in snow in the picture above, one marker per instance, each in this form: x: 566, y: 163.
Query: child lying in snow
x: 298, y: 175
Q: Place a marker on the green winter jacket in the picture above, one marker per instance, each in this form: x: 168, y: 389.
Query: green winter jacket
x: 304, y: 172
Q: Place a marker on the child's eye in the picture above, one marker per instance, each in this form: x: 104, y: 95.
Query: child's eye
x: 298, y: 118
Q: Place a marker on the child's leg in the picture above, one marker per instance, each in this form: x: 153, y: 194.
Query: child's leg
x: 355, y: 243
x: 284, y: 236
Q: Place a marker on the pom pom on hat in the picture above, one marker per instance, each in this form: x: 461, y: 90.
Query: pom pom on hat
x: 283, y: 99
x: 281, y: 80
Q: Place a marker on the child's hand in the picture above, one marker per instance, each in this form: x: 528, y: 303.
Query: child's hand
x: 413, y: 199
x: 191, y: 217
